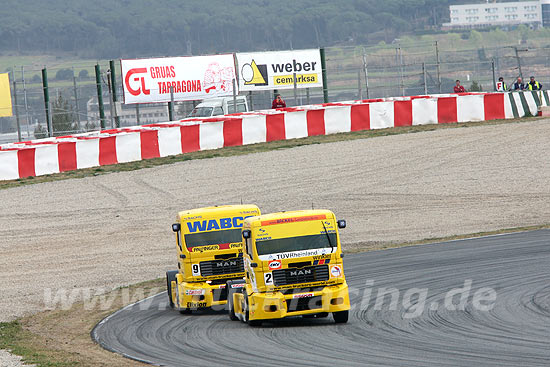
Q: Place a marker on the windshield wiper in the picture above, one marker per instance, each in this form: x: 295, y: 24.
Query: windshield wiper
x: 328, y: 237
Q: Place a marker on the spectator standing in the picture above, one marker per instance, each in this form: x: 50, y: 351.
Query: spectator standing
x: 278, y: 102
x: 518, y: 85
x: 533, y: 84
x: 459, y: 88
x: 501, y: 85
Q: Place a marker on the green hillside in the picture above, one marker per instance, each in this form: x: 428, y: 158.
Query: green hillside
x: 104, y: 29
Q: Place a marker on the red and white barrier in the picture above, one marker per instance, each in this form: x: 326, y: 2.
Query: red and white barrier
x: 53, y: 155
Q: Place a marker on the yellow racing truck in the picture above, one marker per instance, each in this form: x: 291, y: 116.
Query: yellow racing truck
x: 209, y: 246
x: 293, y: 266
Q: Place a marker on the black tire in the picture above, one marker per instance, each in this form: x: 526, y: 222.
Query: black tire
x: 170, y: 276
x: 186, y: 311
x: 230, y: 305
x: 340, y: 317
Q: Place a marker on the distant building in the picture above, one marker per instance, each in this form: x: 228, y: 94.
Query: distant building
x: 470, y: 16
x: 148, y: 113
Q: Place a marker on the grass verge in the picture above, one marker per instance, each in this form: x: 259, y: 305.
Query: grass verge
x: 248, y: 149
x: 59, y: 338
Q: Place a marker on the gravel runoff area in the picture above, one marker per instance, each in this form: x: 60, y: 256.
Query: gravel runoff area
x: 113, y: 230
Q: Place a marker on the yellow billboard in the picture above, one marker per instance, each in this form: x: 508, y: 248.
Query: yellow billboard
x: 5, y: 96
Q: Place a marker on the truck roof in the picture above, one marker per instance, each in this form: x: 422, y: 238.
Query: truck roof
x: 210, y: 210
x: 272, y: 218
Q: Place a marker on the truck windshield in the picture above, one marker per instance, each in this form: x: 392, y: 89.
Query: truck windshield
x: 300, y: 243
x: 213, y: 238
x: 201, y: 112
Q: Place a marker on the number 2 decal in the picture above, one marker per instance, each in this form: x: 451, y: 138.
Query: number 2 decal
x: 268, y: 278
x: 196, y: 270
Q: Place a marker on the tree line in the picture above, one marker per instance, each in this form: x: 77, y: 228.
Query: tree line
x: 137, y: 28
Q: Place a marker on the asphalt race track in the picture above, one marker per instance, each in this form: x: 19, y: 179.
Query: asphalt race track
x: 515, y: 331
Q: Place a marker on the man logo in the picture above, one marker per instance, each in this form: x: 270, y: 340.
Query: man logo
x: 254, y: 74
x: 296, y: 273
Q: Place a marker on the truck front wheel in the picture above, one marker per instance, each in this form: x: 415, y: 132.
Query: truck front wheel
x: 170, y: 276
x: 340, y: 317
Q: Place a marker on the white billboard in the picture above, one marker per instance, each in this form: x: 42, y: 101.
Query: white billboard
x: 275, y: 70
x: 192, y: 78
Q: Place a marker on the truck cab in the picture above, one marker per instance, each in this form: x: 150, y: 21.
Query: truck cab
x: 293, y: 267
x: 209, y: 250
x: 219, y: 106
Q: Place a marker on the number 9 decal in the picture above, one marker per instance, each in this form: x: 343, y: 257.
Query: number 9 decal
x: 196, y: 270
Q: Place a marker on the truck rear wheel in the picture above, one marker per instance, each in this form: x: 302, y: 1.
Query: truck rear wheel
x: 170, y: 276
x: 340, y: 317
x: 230, y: 304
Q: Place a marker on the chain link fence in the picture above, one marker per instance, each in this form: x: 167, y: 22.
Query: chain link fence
x: 353, y: 72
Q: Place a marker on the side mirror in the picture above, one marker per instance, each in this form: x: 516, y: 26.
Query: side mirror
x: 246, y: 233
x: 342, y: 223
x: 176, y: 227
x: 253, y: 265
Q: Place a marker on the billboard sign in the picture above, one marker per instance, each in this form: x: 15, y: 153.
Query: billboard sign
x: 275, y: 70
x: 192, y: 78
x: 5, y: 96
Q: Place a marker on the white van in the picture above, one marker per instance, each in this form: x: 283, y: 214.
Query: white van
x: 219, y: 106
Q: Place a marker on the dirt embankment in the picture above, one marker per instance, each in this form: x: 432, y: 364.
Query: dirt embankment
x: 113, y: 230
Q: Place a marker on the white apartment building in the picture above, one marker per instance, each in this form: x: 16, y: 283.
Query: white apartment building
x: 533, y: 13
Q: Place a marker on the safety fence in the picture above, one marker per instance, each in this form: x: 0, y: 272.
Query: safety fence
x: 60, y: 154
x: 353, y: 72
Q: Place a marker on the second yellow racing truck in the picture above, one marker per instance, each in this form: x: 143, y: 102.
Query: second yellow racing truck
x: 293, y: 266
x: 209, y: 247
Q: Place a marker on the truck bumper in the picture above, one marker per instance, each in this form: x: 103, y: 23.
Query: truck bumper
x: 192, y: 296
x: 276, y: 305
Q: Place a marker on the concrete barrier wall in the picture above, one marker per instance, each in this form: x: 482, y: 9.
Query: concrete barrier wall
x: 53, y: 155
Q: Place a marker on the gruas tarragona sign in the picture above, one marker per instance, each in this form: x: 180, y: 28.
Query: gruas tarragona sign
x: 192, y: 78
x: 275, y: 70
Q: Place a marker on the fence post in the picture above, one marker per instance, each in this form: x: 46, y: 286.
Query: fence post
x: 425, y: 79
x: 250, y: 99
x: 100, y: 97
x: 77, y: 112
x: 307, y: 96
x: 50, y: 120
x: 137, y: 113
x: 494, y: 77
x: 324, y: 74
x: 438, y: 66
x: 234, y: 96
x: 16, y: 109
x: 359, y: 91
x: 26, y: 104
x: 295, y: 90
x: 46, y: 99
x: 171, y: 104
x: 111, y: 102
x: 113, y: 86
x: 366, y: 72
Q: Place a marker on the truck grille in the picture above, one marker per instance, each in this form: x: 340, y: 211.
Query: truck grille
x: 318, y: 273
x: 222, y: 266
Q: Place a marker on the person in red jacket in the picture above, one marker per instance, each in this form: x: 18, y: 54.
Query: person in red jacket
x: 278, y: 102
x: 459, y: 88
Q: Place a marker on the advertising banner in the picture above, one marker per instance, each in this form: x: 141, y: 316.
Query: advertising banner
x: 192, y: 78
x: 275, y: 70
x: 5, y: 96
